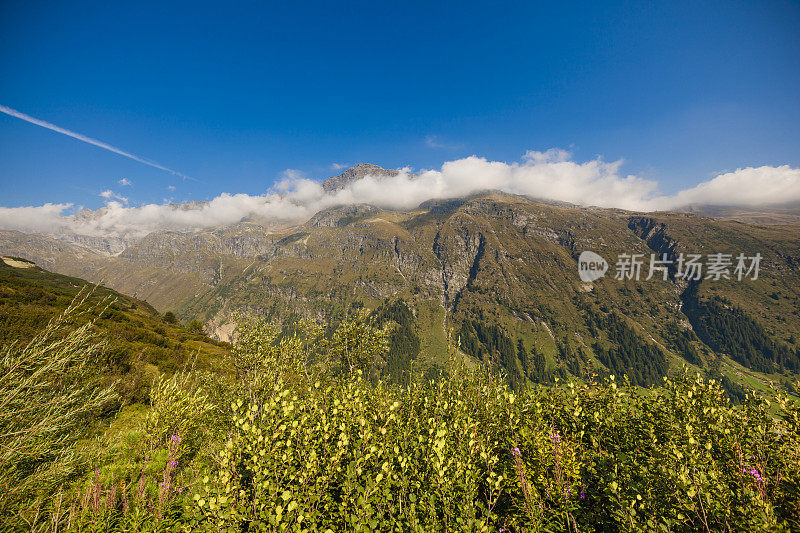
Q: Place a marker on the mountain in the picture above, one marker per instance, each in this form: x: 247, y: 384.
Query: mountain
x: 775, y: 214
x: 356, y: 173
x: 499, y: 271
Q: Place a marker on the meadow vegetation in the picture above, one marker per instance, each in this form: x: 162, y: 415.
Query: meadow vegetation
x: 300, y: 430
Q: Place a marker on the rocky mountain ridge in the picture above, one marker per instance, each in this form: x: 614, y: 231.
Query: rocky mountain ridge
x: 355, y: 173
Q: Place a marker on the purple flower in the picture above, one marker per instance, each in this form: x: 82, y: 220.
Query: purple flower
x: 98, y: 472
x: 556, y: 437
x: 174, y: 464
x: 180, y: 490
x: 582, y: 495
x: 176, y: 438
x: 515, y: 451
x: 753, y: 472
x: 569, y: 491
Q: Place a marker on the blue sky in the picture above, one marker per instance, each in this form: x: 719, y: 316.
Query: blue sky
x: 234, y: 94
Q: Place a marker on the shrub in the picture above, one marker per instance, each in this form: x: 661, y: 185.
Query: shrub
x: 307, y: 443
x: 466, y: 453
x: 351, y: 456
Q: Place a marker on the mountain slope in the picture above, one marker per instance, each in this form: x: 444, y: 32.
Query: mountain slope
x: 498, y: 270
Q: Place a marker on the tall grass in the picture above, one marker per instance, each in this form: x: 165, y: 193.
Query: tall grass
x: 50, y: 391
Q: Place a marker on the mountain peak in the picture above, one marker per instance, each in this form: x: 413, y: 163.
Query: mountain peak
x: 356, y: 173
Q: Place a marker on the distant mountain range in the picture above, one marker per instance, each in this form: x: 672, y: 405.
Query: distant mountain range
x: 499, y: 271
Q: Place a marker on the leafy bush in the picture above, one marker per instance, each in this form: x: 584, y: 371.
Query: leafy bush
x: 350, y: 456
x: 468, y: 454
x: 305, y: 440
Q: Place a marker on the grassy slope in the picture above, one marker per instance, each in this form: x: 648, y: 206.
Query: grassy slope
x: 140, y: 343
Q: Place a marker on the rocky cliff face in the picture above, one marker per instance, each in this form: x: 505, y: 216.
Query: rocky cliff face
x: 50, y: 253
x: 356, y: 173
x: 341, y: 216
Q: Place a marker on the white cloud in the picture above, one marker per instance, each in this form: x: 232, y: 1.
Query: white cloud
x: 170, y: 187
x: 543, y: 175
x: 292, y: 174
x: 47, y: 218
x: 125, y: 182
x: 553, y: 155
x: 337, y: 166
x: 108, y: 195
x: 750, y: 186
x: 433, y: 141
x: 551, y: 174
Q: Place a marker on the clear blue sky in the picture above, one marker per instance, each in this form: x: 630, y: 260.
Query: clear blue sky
x: 233, y: 93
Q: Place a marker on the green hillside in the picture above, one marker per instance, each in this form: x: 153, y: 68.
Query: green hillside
x: 141, y: 343
x: 304, y: 439
x: 500, y: 271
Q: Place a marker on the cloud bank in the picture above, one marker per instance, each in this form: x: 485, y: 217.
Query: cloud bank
x: 551, y: 175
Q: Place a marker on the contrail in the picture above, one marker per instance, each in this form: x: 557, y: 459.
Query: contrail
x: 84, y: 138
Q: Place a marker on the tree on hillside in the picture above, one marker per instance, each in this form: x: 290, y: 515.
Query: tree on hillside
x: 195, y: 326
x: 404, y: 343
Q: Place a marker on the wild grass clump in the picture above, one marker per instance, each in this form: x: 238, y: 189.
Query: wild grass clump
x: 50, y: 392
